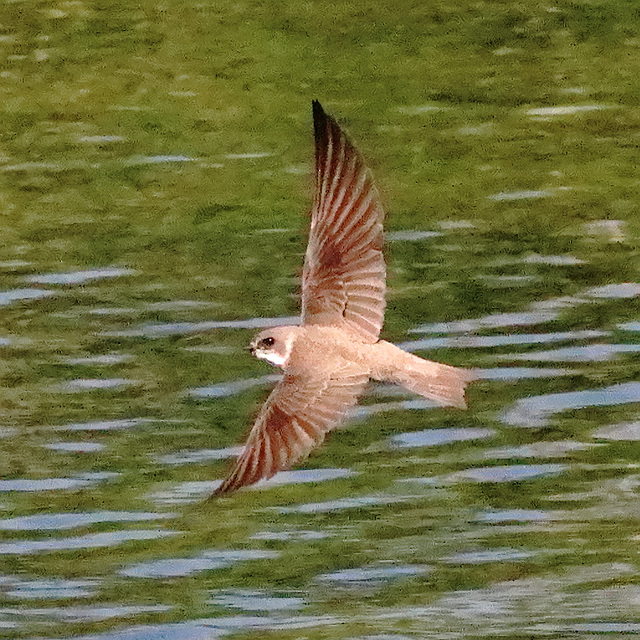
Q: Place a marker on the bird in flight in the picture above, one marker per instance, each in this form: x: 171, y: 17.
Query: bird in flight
x: 328, y: 359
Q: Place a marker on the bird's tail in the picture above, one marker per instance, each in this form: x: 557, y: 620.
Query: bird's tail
x: 441, y: 383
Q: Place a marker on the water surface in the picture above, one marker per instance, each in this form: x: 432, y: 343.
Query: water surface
x: 156, y: 170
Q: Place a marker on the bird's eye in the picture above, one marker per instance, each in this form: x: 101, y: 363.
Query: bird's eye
x: 267, y: 342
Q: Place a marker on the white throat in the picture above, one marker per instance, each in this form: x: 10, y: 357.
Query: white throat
x: 274, y: 358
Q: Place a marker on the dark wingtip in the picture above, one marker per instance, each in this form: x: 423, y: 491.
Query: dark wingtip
x: 318, y: 111
x: 325, y: 127
x: 224, y: 489
x: 321, y: 133
x: 319, y: 122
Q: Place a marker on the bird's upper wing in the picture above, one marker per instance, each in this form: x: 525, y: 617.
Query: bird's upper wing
x: 294, y: 419
x: 343, y: 281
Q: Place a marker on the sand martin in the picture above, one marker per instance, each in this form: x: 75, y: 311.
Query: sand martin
x: 328, y: 359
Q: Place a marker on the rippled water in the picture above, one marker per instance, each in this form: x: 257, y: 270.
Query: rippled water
x: 155, y: 167
x: 491, y: 519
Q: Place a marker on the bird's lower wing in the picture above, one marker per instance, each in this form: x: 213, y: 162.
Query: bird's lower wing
x: 294, y: 419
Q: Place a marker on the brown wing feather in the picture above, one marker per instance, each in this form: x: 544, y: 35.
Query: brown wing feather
x: 343, y: 281
x: 294, y: 419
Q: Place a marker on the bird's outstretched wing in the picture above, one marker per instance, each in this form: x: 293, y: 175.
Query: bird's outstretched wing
x: 343, y: 281
x: 294, y: 419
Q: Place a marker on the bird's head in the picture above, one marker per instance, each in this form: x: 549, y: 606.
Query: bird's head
x: 274, y: 345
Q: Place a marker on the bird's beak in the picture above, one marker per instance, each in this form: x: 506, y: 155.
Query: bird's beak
x: 250, y: 349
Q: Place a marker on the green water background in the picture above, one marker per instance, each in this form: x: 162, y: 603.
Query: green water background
x: 174, y: 140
